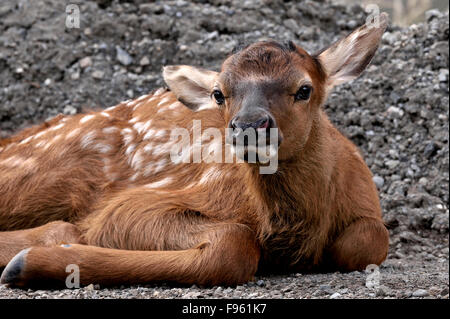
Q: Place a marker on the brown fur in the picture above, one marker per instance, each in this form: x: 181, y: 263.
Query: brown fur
x: 208, y: 223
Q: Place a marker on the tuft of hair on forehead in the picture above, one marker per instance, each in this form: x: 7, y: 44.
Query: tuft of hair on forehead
x: 268, y: 57
x: 287, y: 46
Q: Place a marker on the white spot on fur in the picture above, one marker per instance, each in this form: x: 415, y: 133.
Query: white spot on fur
x: 130, y: 149
x: 134, y: 177
x: 110, y: 130
x: 57, y: 137
x: 38, y: 135
x: 174, y: 105
x: 160, y: 183
x: 136, y: 160
x: 17, y: 161
x: 160, y: 165
x: 158, y: 92
x: 111, y: 108
x: 105, y: 114
x: 148, y: 148
x: 160, y: 133
x: 164, y: 100
x: 50, y: 143
x: 47, y: 145
x: 127, y: 137
x: 152, y: 98
x: 88, y: 139
x: 134, y: 119
x: 73, y: 133
x: 148, y: 169
x: 86, y: 118
x: 41, y: 143
x: 57, y: 127
x: 102, y: 148
x: 142, y: 97
x: 142, y: 127
x: 26, y: 140
x: 150, y: 133
x: 161, y: 149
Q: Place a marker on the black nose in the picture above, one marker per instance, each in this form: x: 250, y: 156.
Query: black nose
x: 262, y: 123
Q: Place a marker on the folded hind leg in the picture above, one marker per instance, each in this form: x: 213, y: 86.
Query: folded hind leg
x: 145, y: 238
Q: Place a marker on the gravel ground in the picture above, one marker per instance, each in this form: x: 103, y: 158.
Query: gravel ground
x: 397, y: 113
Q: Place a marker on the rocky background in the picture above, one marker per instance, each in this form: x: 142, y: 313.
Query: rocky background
x: 396, y: 112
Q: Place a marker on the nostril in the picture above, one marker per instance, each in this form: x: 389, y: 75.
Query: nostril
x: 262, y: 124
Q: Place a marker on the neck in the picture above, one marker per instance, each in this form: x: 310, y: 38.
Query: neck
x: 296, y: 200
x: 299, y: 181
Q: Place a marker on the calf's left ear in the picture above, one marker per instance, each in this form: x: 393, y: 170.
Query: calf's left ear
x: 192, y: 86
x: 347, y: 58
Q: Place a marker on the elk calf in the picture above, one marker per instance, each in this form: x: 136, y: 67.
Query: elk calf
x: 101, y: 190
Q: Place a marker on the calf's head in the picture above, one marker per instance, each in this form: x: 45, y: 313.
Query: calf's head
x: 269, y: 85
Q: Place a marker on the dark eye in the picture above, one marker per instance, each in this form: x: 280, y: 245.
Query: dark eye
x: 218, y: 96
x: 303, y: 93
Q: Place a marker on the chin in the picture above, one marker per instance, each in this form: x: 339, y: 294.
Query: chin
x: 255, y: 155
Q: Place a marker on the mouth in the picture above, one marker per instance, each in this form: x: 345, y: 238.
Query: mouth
x: 257, y: 148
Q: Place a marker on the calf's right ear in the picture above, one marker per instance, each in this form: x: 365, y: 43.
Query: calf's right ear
x: 192, y: 86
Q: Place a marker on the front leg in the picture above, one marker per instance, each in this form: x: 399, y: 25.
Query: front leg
x: 364, y: 242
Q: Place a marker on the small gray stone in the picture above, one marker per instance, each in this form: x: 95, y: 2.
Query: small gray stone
x: 144, y: 61
x: 420, y: 293
x: 85, y: 62
x: 69, y: 110
x: 395, y: 111
x: 98, y: 74
x: 443, y: 75
x: 392, y: 164
x: 378, y: 180
x: 89, y: 287
x: 123, y: 57
x: 335, y: 295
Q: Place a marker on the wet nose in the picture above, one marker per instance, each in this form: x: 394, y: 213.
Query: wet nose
x: 262, y: 123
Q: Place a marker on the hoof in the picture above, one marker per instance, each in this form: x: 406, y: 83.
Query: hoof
x: 12, y: 273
